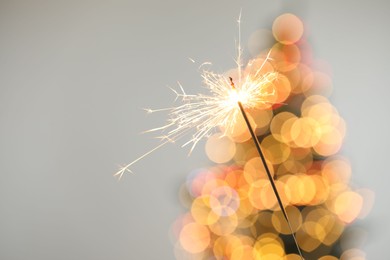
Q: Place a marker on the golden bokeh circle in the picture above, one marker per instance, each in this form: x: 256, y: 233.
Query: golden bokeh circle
x: 287, y: 28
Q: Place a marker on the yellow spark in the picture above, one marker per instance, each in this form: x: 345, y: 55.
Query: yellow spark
x: 199, y: 114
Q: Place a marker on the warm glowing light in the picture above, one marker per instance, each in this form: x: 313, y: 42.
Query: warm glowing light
x: 194, y: 238
x: 254, y: 170
x: 235, y: 97
x: 225, y: 225
x: 202, y: 212
x: 347, y: 206
x: 225, y: 245
x: 287, y: 28
x: 255, y: 195
x: 287, y: 56
x: 224, y: 201
x: 274, y: 150
x: 280, y: 223
x: 243, y: 252
x: 268, y: 246
x: 219, y: 148
x: 328, y: 257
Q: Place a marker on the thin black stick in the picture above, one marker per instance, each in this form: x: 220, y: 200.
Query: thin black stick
x: 258, y: 148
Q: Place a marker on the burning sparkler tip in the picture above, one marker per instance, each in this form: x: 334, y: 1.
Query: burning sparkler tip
x: 232, y: 83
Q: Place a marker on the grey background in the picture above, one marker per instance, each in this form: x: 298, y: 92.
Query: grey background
x: 74, y: 76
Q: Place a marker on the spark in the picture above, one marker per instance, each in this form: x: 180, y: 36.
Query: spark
x: 201, y: 113
x: 126, y: 168
x: 198, y: 115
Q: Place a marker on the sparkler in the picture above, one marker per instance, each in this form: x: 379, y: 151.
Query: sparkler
x: 202, y: 113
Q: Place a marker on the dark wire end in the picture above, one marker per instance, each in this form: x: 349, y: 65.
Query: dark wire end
x: 232, y: 83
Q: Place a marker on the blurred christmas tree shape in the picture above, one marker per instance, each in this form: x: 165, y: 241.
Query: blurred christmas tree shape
x: 233, y: 213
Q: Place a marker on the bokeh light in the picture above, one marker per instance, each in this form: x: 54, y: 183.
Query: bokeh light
x: 194, y: 238
x: 233, y: 212
x: 287, y: 28
x: 219, y: 148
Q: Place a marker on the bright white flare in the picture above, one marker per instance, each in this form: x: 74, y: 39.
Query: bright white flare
x: 199, y: 114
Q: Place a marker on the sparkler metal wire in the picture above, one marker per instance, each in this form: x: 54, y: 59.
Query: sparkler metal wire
x: 260, y: 152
